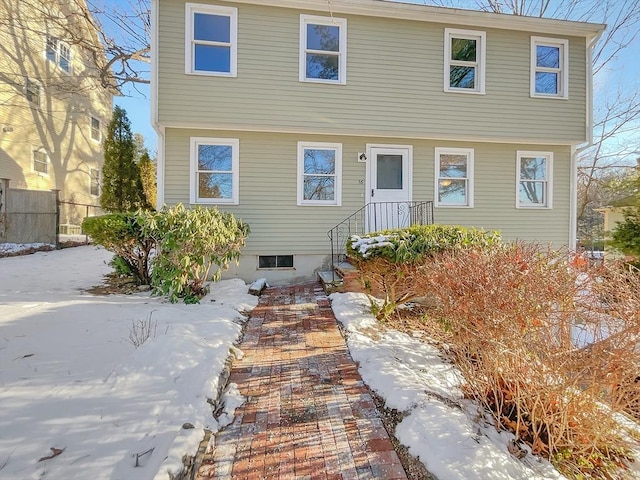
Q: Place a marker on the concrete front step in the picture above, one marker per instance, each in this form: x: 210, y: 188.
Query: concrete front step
x: 344, y: 278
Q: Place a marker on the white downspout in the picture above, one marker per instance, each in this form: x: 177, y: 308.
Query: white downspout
x: 160, y: 164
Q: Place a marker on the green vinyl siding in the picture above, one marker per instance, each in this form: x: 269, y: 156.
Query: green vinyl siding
x: 394, y: 83
x: 279, y: 226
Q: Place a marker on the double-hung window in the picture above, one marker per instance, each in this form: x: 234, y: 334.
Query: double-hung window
x: 464, y: 54
x: 319, y: 173
x: 454, y: 177
x: 96, y: 134
x: 534, y: 174
x: 32, y: 91
x: 211, y: 43
x: 323, y: 49
x: 549, y: 67
x: 59, y: 53
x: 40, y: 161
x: 215, y: 170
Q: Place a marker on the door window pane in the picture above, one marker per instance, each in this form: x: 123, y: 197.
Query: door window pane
x: 389, y: 172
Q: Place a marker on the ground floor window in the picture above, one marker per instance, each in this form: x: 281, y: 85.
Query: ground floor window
x: 534, y: 179
x: 214, y: 175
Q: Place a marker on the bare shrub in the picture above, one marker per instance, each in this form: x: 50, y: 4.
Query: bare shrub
x: 551, y: 351
x: 142, y: 330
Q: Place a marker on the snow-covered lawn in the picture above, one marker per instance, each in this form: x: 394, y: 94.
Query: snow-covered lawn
x: 71, y: 379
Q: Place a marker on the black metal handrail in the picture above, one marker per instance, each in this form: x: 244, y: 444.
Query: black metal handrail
x: 374, y: 217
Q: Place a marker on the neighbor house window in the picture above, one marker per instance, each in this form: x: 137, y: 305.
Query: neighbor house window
x: 95, y: 129
x: 275, y: 261
x: 454, y: 177
x: 94, y: 187
x: 549, y: 67
x: 211, y: 39
x: 464, y: 54
x: 40, y: 161
x: 215, y: 170
x: 59, y: 53
x: 319, y: 173
x: 323, y: 49
x: 32, y: 91
x: 534, y: 179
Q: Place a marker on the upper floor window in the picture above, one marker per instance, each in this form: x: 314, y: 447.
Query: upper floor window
x: 215, y: 170
x: 319, y: 173
x: 94, y: 181
x: 32, y: 91
x: 549, y: 67
x: 40, y: 161
x: 211, y: 40
x: 534, y: 179
x: 96, y: 133
x: 454, y: 177
x: 464, y: 54
x: 59, y: 53
x: 323, y: 49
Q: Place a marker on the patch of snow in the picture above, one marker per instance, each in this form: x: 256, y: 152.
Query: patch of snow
x: 70, y: 378
x: 15, y: 248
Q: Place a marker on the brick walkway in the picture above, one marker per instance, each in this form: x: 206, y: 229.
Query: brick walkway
x: 308, y: 414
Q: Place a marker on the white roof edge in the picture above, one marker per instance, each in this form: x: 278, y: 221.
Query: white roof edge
x: 427, y: 13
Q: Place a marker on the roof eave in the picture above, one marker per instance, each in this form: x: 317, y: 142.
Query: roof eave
x: 452, y: 16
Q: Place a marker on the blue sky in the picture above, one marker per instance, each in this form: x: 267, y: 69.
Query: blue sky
x: 621, y: 75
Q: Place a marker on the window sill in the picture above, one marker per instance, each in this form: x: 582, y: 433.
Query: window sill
x: 551, y: 97
x: 211, y: 74
x: 325, y: 82
x: 461, y: 90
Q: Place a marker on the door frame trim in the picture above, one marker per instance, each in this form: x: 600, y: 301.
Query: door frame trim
x: 369, y: 147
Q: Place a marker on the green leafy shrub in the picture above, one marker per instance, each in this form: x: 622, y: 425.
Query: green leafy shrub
x: 122, y: 234
x: 391, y: 260
x: 189, y: 243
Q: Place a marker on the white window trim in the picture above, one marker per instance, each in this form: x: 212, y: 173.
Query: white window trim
x: 189, y: 53
x: 91, y: 170
x: 469, y: 152
x: 56, y: 62
x: 29, y: 81
x: 234, y: 143
x: 33, y: 161
x: 337, y: 201
x: 99, y: 139
x: 563, y: 71
x: 480, y: 63
x: 342, y: 54
x: 549, y: 182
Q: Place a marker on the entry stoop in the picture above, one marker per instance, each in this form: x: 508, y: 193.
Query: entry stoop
x: 345, y: 278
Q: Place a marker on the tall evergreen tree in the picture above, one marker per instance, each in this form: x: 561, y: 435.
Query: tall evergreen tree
x: 122, y: 189
x: 148, y: 176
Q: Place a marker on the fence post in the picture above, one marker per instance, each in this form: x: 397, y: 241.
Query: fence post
x: 56, y: 191
x: 4, y: 192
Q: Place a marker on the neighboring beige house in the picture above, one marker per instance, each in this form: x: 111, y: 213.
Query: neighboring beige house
x: 294, y: 115
x: 53, y: 110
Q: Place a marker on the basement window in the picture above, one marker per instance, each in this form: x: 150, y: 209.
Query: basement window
x: 275, y: 261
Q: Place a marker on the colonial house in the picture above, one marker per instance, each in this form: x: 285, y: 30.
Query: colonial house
x: 305, y: 117
x: 54, y: 108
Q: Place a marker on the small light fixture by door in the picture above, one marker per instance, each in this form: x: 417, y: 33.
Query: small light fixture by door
x: 362, y: 157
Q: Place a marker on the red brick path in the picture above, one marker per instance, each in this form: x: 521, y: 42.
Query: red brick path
x: 308, y: 414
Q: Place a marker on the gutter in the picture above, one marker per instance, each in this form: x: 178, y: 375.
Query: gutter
x: 159, y: 129
x: 573, y: 206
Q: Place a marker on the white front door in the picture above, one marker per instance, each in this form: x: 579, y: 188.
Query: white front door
x: 388, y: 186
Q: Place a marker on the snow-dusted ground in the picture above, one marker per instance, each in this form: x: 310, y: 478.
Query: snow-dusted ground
x: 71, y: 379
